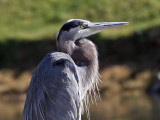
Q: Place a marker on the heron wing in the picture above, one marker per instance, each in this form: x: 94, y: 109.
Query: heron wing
x: 54, y: 90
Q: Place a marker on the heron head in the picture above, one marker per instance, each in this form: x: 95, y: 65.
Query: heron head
x: 77, y: 28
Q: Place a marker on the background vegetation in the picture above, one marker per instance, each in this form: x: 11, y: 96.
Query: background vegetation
x: 129, y: 55
x: 28, y: 31
x: 39, y: 19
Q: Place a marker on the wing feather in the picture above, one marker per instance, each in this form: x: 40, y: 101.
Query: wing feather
x: 54, y: 90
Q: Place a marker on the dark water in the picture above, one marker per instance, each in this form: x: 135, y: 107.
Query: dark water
x: 141, y: 107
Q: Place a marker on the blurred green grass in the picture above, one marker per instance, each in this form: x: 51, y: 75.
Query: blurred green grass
x: 39, y: 19
x: 131, y: 53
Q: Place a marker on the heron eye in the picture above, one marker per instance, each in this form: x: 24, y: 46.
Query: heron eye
x: 82, y: 26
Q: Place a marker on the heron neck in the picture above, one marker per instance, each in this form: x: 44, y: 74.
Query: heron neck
x: 86, y: 51
x: 66, y: 46
x: 83, y: 51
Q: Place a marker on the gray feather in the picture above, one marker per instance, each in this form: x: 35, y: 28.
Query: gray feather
x: 54, y: 90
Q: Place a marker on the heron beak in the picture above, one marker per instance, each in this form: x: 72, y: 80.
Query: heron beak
x: 94, y: 27
x: 100, y: 26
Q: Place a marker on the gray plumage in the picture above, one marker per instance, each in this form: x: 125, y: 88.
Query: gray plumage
x: 64, y: 80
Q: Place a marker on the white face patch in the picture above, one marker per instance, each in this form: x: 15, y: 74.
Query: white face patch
x: 76, y: 32
x: 83, y: 33
x: 80, y: 32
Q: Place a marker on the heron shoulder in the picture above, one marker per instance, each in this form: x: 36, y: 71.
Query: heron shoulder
x: 56, y: 62
x: 53, y: 85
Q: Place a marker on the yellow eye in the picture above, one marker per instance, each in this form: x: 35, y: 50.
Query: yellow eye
x: 82, y: 26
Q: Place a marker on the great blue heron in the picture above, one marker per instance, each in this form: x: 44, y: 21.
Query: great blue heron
x: 64, y: 80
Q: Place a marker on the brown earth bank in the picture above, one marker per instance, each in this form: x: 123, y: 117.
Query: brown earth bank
x: 127, y: 64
